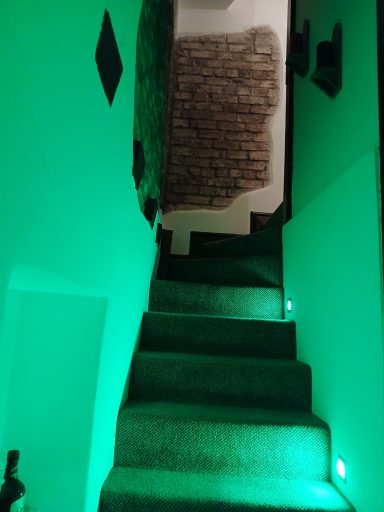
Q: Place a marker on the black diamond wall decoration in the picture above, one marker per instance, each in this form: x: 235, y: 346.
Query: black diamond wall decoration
x: 108, y: 59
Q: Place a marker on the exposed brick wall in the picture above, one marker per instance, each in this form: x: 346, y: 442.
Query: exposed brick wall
x: 225, y: 92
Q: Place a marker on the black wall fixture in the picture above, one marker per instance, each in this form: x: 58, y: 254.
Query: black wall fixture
x: 328, y: 73
x: 298, y: 51
x: 138, y: 162
x: 150, y: 210
x: 108, y: 59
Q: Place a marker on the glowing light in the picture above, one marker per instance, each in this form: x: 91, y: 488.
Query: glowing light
x: 340, y: 468
x: 289, y: 305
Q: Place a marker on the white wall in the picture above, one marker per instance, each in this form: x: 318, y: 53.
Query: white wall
x: 241, y: 15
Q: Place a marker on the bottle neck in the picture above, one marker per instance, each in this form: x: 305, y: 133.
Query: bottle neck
x: 11, y: 469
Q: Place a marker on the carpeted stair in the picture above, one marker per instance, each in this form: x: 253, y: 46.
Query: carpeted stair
x: 219, y: 411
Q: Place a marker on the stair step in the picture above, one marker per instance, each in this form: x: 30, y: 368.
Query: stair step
x: 169, y: 491
x: 259, y: 270
x: 221, y: 380
x: 199, y: 238
x: 198, y: 334
x: 218, y: 300
x: 223, y: 440
x: 267, y: 241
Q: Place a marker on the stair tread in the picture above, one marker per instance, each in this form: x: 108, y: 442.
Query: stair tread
x: 224, y: 414
x: 174, y: 491
x: 216, y: 299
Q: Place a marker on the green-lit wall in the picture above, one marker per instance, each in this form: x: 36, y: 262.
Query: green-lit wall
x: 332, y: 248
x: 76, y: 252
x: 152, y: 63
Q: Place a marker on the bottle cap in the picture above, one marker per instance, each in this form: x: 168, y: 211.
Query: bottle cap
x: 13, y: 455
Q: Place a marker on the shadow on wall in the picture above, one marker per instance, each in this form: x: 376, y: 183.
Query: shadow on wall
x: 226, y: 90
x: 154, y: 41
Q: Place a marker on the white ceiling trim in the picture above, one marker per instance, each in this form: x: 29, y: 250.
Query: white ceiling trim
x: 221, y: 5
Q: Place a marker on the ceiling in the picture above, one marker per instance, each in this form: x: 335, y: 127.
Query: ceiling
x: 205, y: 4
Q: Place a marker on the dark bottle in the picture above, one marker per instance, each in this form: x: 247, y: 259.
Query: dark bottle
x: 13, y: 490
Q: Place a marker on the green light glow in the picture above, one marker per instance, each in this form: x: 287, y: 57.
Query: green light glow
x: 289, y: 305
x: 341, y: 468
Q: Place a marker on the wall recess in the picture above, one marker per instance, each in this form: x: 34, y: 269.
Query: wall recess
x: 108, y: 59
x: 298, y: 51
x: 328, y: 73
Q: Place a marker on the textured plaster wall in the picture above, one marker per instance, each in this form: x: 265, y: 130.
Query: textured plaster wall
x: 152, y: 62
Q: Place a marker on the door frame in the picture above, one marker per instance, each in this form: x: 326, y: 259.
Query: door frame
x: 289, y: 118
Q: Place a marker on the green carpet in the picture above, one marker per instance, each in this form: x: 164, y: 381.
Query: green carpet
x: 218, y: 416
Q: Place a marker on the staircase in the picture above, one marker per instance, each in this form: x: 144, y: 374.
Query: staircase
x: 219, y: 411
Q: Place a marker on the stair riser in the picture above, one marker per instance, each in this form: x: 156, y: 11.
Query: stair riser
x: 221, y: 382
x: 258, y: 271
x: 221, y: 336
x: 171, y: 296
x: 263, y: 451
x: 262, y: 242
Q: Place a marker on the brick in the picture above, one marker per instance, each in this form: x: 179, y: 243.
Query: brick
x: 214, y: 38
x: 220, y: 72
x: 180, y: 123
x: 210, y: 134
x: 215, y: 107
x: 260, y: 49
x: 207, y: 153
x: 236, y: 173
x: 255, y: 146
x: 213, y: 89
x: 224, y: 98
x: 260, y: 109
x: 203, y: 54
x: 224, y: 116
x: 200, y: 96
x: 221, y: 201
x: 234, y: 192
x: 182, y: 151
x: 235, y: 127
x: 183, y: 95
x: 252, y: 166
x: 257, y: 128
x: 196, y: 199
x: 217, y: 47
x: 197, y: 162
x: 253, y: 175
x: 232, y: 73
x: 205, y: 124
x: 239, y: 48
x: 240, y: 38
x: 237, y: 155
x: 251, y: 57
x: 208, y: 172
x: 213, y: 80
x: 203, y: 105
x: 235, y: 65
x: 221, y: 173
x: 223, y: 182
x: 251, y: 100
x: 226, y: 144
x: 259, y: 155
x: 186, y: 189
x: 190, y: 79
x: 263, y: 75
x: 268, y: 84
x: 184, y: 133
x: 243, y: 109
x: 191, y: 45
x: 230, y: 107
x: 262, y: 66
x: 211, y: 63
x: 251, y: 118
x: 186, y: 87
x: 208, y: 71
x: 212, y: 191
x: 223, y: 163
x: 196, y: 114
x: 251, y: 184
